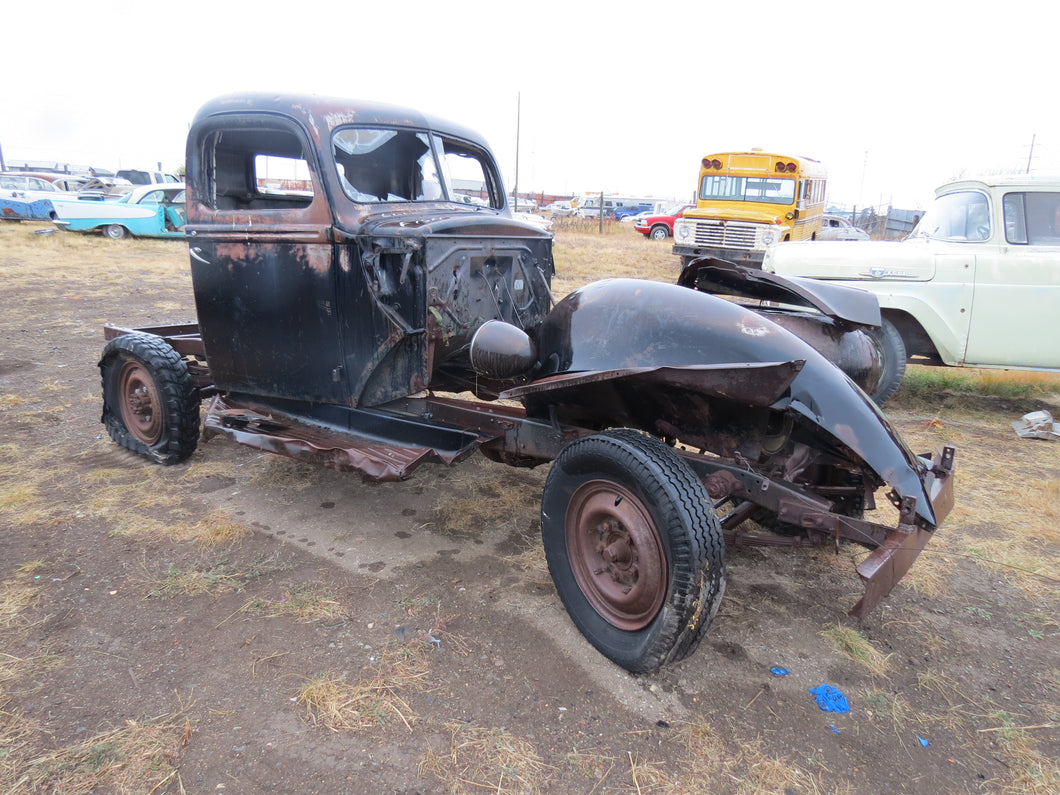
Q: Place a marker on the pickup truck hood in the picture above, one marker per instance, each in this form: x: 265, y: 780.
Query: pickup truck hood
x: 440, y: 219
x: 909, y: 260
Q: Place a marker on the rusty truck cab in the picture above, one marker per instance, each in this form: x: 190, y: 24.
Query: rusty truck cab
x: 343, y: 252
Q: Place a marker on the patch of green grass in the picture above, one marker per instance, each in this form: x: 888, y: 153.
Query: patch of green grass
x: 923, y: 384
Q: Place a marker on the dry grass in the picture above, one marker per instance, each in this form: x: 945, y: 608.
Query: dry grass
x: 136, y: 758
x: 1007, y: 512
x: 1028, y: 771
x: 377, y: 698
x: 279, y: 472
x: 891, y: 708
x: 308, y: 602
x: 486, y: 497
x: 857, y: 648
x: 212, y: 577
x: 482, y: 759
x: 16, y: 598
x: 219, y: 528
x: 746, y: 767
x: 531, y: 561
x: 583, y: 256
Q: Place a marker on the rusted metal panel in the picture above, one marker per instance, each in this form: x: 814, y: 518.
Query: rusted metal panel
x: 753, y: 384
x: 892, y: 559
x: 380, y: 446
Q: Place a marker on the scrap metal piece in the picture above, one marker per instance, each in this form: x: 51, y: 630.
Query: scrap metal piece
x: 882, y: 570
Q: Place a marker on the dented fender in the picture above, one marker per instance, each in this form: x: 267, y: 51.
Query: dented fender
x: 618, y: 324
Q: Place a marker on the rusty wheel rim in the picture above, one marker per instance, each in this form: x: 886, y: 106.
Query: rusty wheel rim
x: 141, y: 409
x: 616, y: 554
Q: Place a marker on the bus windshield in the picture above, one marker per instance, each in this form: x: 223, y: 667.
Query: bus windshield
x: 770, y: 190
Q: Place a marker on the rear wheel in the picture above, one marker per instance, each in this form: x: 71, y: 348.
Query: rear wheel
x: 634, y: 548
x: 149, y: 401
x: 115, y: 231
x: 659, y: 232
x: 893, y: 356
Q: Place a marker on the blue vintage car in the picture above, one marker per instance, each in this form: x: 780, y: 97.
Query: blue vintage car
x: 14, y: 207
x: 146, y: 211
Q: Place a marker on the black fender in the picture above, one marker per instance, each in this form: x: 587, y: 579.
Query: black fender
x: 607, y: 355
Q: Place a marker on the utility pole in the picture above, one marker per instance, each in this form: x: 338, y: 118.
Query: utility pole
x: 518, y: 122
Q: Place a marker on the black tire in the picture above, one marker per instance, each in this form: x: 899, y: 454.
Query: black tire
x: 893, y: 356
x: 149, y: 401
x: 659, y: 232
x: 634, y: 548
x: 115, y: 231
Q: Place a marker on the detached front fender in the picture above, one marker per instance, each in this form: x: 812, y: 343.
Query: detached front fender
x: 623, y: 324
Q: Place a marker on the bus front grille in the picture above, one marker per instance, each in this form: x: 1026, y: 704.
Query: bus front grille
x: 726, y: 234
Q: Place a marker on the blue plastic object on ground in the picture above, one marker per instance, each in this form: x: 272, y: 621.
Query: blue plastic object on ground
x: 830, y: 699
x: 923, y: 742
x: 779, y: 671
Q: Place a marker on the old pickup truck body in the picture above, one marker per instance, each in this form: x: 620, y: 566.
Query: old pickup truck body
x: 364, y: 317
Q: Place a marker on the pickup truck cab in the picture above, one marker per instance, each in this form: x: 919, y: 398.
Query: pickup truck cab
x: 976, y: 284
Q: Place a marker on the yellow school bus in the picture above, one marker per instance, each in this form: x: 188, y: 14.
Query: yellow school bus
x: 746, y: 201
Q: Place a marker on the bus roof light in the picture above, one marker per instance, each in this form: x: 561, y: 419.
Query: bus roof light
x: 716, y: 164
x: 791, y: 168
x: 779, y: 167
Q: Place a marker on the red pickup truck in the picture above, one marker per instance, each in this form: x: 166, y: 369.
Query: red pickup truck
x: 660, y: 227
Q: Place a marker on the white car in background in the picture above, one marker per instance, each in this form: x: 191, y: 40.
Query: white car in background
x: 835, y: 227
x: 977, y: 283
x: 541, y: 221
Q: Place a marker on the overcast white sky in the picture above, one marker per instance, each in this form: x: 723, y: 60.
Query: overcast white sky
x: 894, y: 97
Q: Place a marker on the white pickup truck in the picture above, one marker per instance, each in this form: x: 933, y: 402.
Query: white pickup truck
x: 977, y: 283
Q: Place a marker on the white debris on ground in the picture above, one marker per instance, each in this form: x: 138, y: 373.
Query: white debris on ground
x: 1037, y: 425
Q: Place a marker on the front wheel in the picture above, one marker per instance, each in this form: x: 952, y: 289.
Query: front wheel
x: 115, y: 231
x: 149, y: 400
x: 892, y: 355
x: 659, y: 233
x: 634, y: 548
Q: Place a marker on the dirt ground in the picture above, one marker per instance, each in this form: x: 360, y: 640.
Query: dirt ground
x: 176, y: 629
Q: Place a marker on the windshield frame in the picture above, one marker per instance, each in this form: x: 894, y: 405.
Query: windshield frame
x: 954, y: 209
x: 405, y: 165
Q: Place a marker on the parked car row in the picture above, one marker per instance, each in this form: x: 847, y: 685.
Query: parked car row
x: 111, y: 205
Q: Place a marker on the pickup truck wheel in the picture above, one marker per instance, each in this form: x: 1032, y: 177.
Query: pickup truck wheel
x: 634, y: 548
x: 659, y: 232
x: 149, y: 402
x: 893, y: 356
x: 115, y: 231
